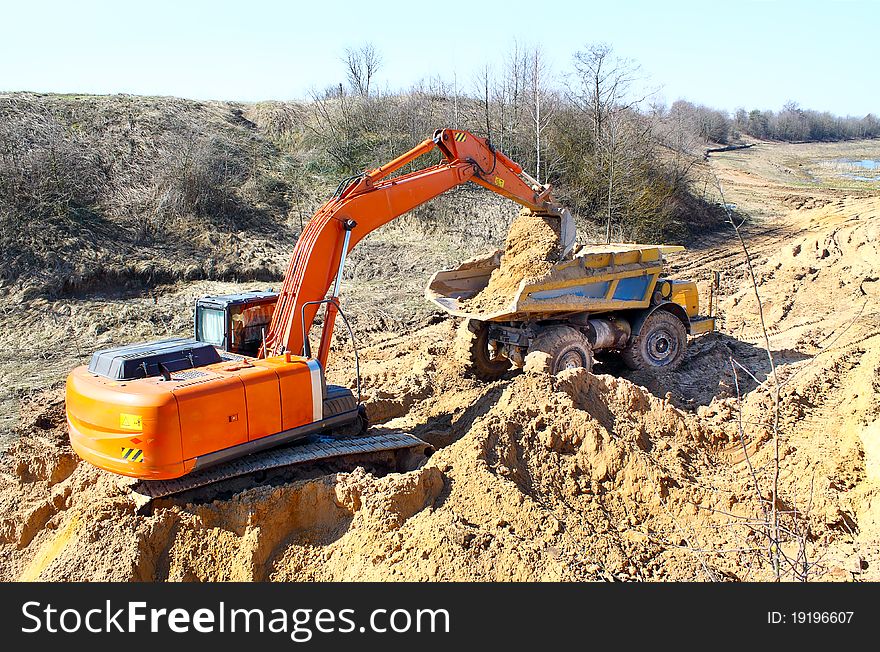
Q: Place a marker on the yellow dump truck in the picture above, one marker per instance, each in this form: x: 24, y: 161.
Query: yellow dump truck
x: 605, y: 297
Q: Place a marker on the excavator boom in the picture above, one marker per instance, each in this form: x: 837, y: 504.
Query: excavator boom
x: 365, y: 203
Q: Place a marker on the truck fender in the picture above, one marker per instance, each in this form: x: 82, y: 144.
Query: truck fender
x: 639, y: 316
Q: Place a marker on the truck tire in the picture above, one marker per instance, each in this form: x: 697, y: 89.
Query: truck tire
x: 473, y: 348
x: 557, y: 348
x: 660, y: 344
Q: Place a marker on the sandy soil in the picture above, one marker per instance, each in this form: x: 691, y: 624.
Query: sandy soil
x: 605, y: 476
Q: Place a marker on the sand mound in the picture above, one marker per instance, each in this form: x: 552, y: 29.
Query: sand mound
x: 530, y: 251
x: 573, y: 477
x: 504, y: 500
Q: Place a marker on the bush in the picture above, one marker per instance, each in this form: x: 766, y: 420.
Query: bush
x: 46, y: 169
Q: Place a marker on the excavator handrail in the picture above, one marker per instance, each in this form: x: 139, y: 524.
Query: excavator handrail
x: 364, y: 202
x: 307, y: 347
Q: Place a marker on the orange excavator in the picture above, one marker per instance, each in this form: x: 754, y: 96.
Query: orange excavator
x: 210, y: 407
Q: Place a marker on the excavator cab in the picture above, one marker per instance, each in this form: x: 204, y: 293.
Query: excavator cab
x: 236, y: 323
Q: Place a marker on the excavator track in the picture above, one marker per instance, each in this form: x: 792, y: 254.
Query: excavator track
x: 315, y: 448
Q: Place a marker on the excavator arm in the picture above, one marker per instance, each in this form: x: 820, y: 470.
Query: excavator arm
x: 364, y: 203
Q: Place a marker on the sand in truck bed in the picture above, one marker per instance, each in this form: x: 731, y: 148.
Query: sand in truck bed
x: 530, y: 251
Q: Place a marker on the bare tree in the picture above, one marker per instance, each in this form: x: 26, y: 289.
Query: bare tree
x: 602, y: 90
x: 361, y: 66
x: 485, y: 80
x: 455, y: 118
x: 540, y: 106
x: 513, y: 89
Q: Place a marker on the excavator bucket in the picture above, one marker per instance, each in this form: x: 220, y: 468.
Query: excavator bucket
x: 566, y: 228
x: 567, y: 232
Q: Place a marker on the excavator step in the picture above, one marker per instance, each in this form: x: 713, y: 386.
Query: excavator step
x: 315, y: 448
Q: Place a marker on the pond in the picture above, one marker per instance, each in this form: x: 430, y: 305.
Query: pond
x: 865, y: 163
x: 866, y: 169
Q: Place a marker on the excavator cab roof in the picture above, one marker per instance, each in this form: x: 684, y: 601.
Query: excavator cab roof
x: 225, y: 300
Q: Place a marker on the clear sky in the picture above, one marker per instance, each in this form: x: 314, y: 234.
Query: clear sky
x: 822, y: 55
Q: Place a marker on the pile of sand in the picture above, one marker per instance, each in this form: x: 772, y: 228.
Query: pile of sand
x: 572, y: 477
x: 505, y: 499
x: 531, y: 249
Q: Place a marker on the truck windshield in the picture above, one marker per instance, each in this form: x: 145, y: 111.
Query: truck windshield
x: 211, y: 326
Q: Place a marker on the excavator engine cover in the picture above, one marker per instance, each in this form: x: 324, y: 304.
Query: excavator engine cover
x: 151, y: 359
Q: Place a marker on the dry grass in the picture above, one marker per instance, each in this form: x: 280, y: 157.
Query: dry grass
x: 100, y: 192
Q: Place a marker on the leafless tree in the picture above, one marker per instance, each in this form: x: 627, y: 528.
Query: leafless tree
x: 362, y: 63
x: 603, y: 83
x: 483, y: 83
x: 511, y: 92
x: 540, y: 105
x: 602, y: 90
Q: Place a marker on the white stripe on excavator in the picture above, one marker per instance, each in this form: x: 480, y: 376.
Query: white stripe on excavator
x: 317, y: 390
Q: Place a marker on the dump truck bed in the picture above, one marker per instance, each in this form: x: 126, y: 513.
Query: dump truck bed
x: 598, y: 278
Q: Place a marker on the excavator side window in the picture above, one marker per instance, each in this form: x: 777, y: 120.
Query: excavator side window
x: 248, y: 324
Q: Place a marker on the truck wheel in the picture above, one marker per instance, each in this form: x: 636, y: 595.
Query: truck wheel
x: 557, y: 348
x: 480, y: 360
x: 660, y: 344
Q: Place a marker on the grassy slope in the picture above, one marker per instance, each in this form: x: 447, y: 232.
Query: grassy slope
x: 116, y: 191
